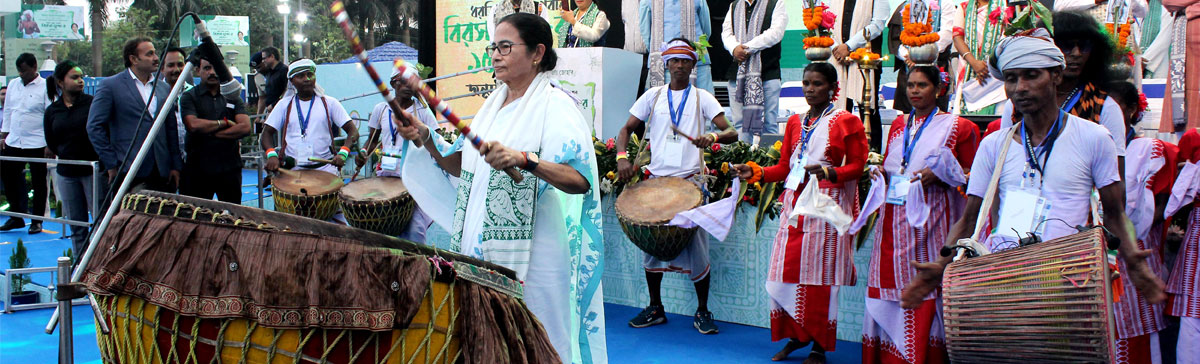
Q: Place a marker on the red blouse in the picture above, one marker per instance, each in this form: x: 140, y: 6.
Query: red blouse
x: 847, y: 146
x: 1189, y: 146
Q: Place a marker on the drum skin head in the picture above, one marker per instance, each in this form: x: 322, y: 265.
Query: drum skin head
x: 374, y: 189
x: 307, y: 182
x: 658, y: 200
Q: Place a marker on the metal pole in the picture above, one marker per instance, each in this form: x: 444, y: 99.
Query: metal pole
x: 286, y: 40
x: 125, y: 184
x: 260, y: 178
x: 66, y: 347
x: 95, y: 192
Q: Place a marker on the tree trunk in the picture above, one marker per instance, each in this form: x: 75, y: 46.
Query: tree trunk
x: 97, y: 40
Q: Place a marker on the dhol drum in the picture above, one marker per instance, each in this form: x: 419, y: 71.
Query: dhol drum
x: 308, y: 193
x: 1043, y: 303
x: 184, y: 280
x: 645, y: 208
x: 379, y: 204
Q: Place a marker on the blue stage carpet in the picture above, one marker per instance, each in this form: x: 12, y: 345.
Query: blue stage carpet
x: 678, y: 342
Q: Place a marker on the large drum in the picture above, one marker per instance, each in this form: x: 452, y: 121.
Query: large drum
x: 308, y: 193
x: 1044, y: 303
x: 645, y: 208
x: 379, y: 204
x: 184, y: 280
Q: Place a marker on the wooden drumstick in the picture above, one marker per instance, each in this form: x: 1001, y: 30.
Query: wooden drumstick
x: 441, y: 107
x: 682, y: 134
x: 320, y: 160
x: 339, y: 13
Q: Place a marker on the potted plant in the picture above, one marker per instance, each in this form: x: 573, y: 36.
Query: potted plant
x: 20, y: 259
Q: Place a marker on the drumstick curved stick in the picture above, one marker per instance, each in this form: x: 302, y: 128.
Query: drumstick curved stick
x: 441, y: 108
x: 339, y: 13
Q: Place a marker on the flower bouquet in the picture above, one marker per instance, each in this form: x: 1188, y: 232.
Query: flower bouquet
x: 819, y: 21
x: 918, y: 34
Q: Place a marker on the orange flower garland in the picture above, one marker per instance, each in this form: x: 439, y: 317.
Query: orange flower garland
x: 916, y: 34
x: 1121, y: 34
x: 863, y: 53
x: 818, y: 42
x: 812, y: 17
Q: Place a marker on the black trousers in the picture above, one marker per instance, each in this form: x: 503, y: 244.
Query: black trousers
x: 12, y: 174
x: 202, y: 184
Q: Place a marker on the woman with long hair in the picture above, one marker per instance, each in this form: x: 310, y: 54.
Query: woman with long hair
x: 66, y: 135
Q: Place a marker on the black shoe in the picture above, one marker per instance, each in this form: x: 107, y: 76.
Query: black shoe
x: 35, y: 228
x: 704, y: 323
x: 650, y: 316
x: 12, y: 223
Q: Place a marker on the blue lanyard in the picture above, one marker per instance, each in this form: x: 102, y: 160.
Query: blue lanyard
x: 805, y: 134
x: 677, y: 115
x: 391, y: 125
x: 908, y: 147
x: 1070, y: 104
x: 304, y: 119
x: 1035, y: 159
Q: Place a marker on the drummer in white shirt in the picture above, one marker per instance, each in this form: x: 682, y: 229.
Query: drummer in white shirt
x: 688, y: 109
x: 393, y: 148
x: 310, y: 127
x: 1053, y: 160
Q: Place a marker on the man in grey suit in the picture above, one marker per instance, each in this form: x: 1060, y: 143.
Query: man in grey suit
x: 113, y: 118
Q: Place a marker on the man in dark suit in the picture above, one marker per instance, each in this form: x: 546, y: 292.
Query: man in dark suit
x: 113, y: 119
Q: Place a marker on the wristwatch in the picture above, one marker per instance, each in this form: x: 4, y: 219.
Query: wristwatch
x: 531, y: 161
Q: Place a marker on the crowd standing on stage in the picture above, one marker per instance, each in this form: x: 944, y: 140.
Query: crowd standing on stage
x: 1068, y: 126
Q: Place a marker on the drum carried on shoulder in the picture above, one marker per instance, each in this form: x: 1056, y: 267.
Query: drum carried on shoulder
x: 308, y: 193
x: 645, y: 208
x: 1043, y: 303
x: 181, y: 279
x: 380, y: 204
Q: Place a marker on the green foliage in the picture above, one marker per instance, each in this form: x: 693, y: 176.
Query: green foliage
x: 19, y: 259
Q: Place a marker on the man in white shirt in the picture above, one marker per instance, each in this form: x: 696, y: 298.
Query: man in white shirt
x: 309, y: 122
x: 752, y: 33
x: 23, y: 136
x: 1054, y: 157
x: 688, y: 109
x: 394, y: 149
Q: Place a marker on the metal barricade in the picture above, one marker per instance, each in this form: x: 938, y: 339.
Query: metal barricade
x: 95, y: 203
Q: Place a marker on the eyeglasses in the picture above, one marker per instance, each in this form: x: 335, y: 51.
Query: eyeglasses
x: 502, y: 48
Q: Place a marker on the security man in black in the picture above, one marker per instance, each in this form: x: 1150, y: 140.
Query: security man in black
x: 215, y: 126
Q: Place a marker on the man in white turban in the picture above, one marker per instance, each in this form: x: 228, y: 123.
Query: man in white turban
x: 308, y: 122
x: 1054, y: 159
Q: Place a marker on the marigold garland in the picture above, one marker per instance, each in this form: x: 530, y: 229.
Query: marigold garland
x: 818, y: 42
x: 812, y: 17
x: 1121, y: 34
x: 862, y: 53
x: 917, y: 34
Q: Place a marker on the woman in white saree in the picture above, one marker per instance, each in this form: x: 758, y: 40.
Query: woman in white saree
x: 545, y: 227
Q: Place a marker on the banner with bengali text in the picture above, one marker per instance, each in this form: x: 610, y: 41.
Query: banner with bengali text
x: 462, y: 35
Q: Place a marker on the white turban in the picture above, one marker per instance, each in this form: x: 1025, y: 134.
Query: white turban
x: 301, y: 66
x: 410, y: 70
x: 1026, y: 50
x: 297, y: 67
x: 678, y: 49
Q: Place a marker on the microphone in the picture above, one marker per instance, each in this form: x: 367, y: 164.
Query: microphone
x: 209, y: 51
